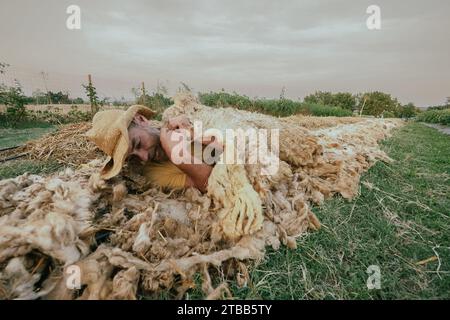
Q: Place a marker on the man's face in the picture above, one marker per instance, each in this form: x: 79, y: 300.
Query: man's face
x: 144, y: 141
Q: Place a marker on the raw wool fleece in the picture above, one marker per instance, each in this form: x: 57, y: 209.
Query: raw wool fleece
x: 313, y: 165
x: 40, y: 218
x: 133, y: 243
x: 128, y: 239
x: 239, y: 190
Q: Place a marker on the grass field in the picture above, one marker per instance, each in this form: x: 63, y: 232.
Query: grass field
x: 400, y: 218
x: 10, y: 137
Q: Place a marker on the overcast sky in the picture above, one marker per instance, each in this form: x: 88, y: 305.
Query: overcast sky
x: 252, y: 47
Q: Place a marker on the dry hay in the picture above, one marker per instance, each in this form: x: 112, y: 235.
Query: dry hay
x: 129, y: 242
x: 67, y: 146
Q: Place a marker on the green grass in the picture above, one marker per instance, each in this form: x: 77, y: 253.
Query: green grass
x: 14, y: 168
x: 276, y: 107
x: 401, y: 216
x: 10, y: 137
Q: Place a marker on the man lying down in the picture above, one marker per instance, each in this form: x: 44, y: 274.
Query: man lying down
x: 124, y: 135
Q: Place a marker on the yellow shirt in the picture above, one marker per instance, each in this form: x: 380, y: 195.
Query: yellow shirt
x: 165, y: 174
x: 168, y: 175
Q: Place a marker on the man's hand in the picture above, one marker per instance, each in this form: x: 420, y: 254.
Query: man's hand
x: 179, y: 122
x: 172, y: 138
x: 212, y: 142
x: 198, y: 174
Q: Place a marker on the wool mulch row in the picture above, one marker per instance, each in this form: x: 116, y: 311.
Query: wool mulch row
x: 128, y: 239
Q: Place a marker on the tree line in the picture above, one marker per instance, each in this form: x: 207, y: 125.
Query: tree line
x: 374, y: 103
x: 322, y: 103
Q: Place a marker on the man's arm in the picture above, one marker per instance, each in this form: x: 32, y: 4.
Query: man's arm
x: 198, y: 174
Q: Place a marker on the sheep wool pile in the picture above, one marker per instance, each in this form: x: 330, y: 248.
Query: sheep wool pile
x: 127, y: 240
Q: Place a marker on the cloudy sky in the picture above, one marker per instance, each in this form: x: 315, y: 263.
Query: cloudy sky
x: 252, y: 47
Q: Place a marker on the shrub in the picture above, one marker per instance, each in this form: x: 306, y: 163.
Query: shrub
x: 375, y: 103
x: 15, y: 100
x: 435, y: 116
x: 157, y: 102
x: 325, y: 111
x: 443, y: 107
x: 388, y: 114
x: 276, y: 107
x: 407, y: 111
x: 344, y: 100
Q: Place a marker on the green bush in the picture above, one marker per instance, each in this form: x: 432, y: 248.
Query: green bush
x: 406, y: 111
x: 376, y: 103
x: 15, y: 100
x: 276, y: 107
x: 321, y: 110
x: 388, y: 114
x: 443, y: 107
x: 157, y: 102
x: 435, y: 116
x: 344, y: 100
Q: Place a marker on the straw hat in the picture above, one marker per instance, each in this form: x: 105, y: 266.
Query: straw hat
x: 110, y: 133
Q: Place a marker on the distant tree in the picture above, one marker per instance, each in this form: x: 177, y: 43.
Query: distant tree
x: 78, y: 101
x: 444, y: 106
x: 318, y: 97
x: 59, y: 97
x: 157, y: 101
x: 39, y: 97
x: 407, y: 111
x: 120, y: 102
x: 344, y: 100
x: 375, y: 103
x: 91, y: 92
x: 15, y: 100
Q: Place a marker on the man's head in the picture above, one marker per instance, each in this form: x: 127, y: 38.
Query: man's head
x: 144, y: 140
x: 110, y: 133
